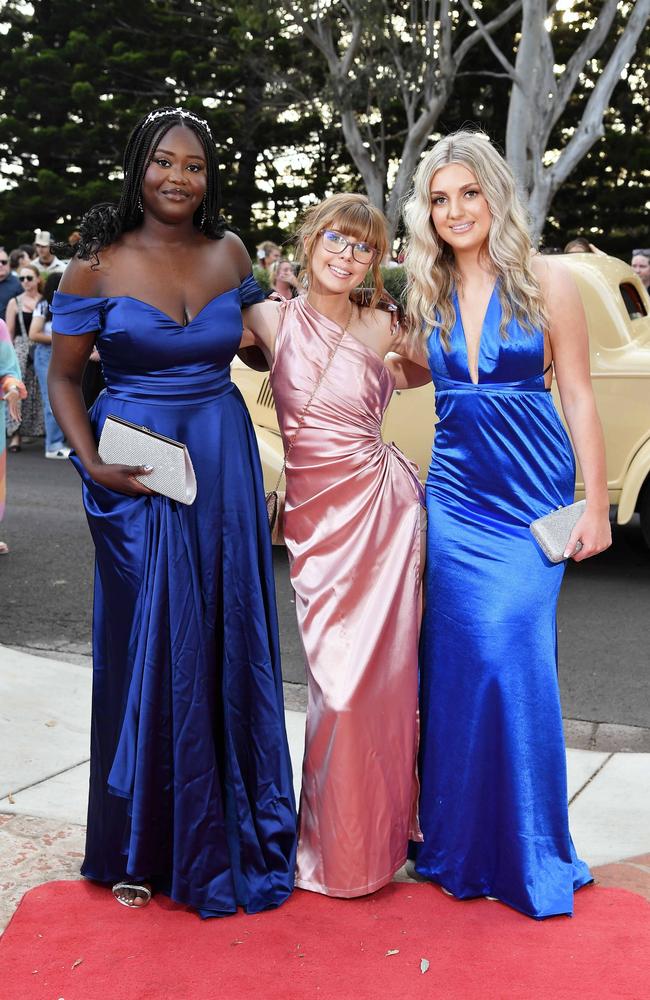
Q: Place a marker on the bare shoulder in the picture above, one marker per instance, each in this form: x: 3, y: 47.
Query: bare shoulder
x: 376, y: 321
x: 83, y: 277
x: 232, y: 248
x: 562, y: 301
x: 555, y: 278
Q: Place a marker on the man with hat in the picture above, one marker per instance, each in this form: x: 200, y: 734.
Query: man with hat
x: 45, y: 260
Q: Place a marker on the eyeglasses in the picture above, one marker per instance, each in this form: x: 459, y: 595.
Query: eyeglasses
x: 333, y: 242
x: 644, y: 253
x: 5, y: 261
x: 27, y: 277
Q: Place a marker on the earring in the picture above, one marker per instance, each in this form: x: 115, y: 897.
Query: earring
x: 204, y: 213
x: 140, y: 205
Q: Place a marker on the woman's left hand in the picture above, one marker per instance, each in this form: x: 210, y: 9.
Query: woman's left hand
x: 12, y: 398
x: 593, y: 531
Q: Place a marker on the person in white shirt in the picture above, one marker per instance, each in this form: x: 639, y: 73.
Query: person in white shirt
x: 45, y: 259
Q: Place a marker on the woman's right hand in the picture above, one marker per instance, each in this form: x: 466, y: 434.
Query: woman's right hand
x: 121, y: 478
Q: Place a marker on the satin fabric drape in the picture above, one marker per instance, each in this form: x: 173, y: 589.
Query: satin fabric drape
x: 351, y: 526
x: 494, y: 808
x: 191, y: 783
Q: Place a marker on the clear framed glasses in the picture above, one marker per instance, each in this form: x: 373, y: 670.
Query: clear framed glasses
x: 333, y: 242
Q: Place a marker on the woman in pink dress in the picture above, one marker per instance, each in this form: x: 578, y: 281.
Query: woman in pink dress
x: 352, y: 526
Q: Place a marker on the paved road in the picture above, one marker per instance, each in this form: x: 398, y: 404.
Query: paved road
x: 46, y: 597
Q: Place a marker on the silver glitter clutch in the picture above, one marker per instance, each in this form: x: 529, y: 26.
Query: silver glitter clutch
x: 124, y: 443
x: 553, y: 531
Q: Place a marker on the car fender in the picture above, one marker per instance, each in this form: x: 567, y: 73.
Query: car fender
x: 271, y: 452
x: 635, y: 477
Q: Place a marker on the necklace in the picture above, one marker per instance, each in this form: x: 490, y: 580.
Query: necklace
x: 349, y: 319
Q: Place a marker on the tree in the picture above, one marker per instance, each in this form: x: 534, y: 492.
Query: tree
x: 608, y: 193
x: 391, y: 71
x: 542, y: 92
x: 396, y: 71
x: 75, y: 77
x: 311, y: 96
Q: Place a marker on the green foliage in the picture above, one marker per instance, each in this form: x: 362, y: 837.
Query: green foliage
x: 75, y: 77
x: 395, y: 282
x: 261, y: 276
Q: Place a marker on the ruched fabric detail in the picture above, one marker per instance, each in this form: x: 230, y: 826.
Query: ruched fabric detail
x: 352, y: 529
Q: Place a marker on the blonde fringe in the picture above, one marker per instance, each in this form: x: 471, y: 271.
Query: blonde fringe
x: 431, y: 272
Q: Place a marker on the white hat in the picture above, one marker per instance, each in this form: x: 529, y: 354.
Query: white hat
x: 42, y: 237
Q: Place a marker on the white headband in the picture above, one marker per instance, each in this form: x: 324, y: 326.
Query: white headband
x: 180, y: 112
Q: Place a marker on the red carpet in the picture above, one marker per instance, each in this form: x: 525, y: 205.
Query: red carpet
x: 71, y: 940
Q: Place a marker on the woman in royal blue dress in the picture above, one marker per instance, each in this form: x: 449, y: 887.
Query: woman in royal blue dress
x: 495, y: 321
x: 190, y: 786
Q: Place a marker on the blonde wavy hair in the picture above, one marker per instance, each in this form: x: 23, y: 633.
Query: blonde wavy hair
x: 430, y: 264
x: 353, y: 215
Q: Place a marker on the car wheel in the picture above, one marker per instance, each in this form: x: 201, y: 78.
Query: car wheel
x: 644, y: 512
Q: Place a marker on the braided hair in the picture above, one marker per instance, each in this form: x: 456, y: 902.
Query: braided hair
x: 103, y: 224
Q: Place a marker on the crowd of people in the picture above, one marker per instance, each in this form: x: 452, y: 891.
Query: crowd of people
x: 427, y: 617
x: 29, y: 276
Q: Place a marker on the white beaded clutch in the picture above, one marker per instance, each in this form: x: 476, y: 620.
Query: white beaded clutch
x: 553, y: 531
x: 124, y: 443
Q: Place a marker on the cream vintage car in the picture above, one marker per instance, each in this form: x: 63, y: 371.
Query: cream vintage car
x: 617, y: 308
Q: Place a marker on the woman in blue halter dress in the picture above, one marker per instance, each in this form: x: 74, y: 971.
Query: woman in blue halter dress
x: 191, y: 785
x: 494, y: 808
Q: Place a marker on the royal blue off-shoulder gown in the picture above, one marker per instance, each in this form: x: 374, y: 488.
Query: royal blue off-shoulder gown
x: 494, y: 809
x: 190, y: 784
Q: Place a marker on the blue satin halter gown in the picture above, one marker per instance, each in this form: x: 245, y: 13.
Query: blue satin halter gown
x: 190, y: 783
x: 494, y: 808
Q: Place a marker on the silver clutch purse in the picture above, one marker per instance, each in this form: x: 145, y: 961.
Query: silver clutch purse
x: 553, y: 531
x: 124, y: 443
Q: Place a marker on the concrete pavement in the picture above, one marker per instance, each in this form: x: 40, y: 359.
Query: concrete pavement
x: 44, y: 737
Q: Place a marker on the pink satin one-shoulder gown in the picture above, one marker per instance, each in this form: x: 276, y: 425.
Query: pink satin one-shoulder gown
x: 352, y: 529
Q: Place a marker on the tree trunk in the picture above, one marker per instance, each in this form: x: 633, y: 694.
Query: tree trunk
x: 538, y: 100
x: 424, y: 81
